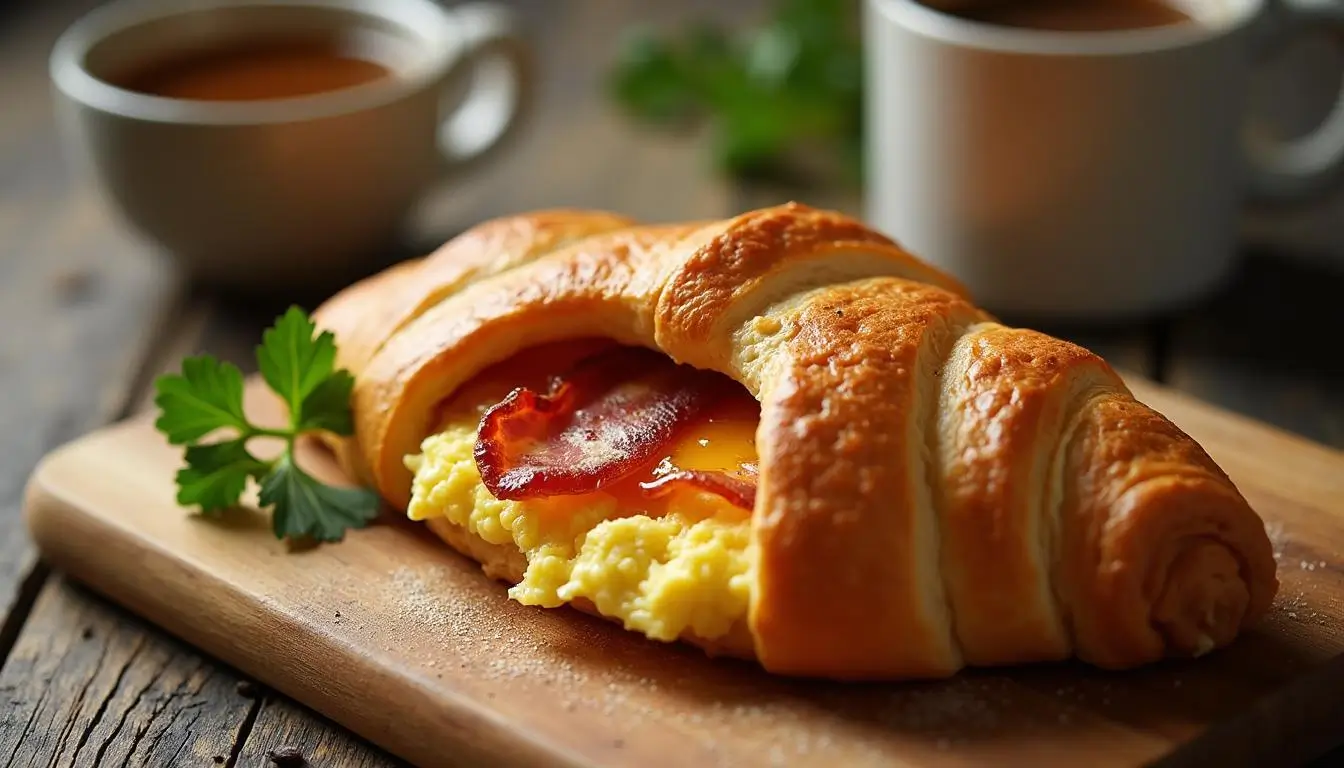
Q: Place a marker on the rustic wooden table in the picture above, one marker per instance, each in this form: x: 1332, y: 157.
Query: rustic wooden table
x: 89, y: 316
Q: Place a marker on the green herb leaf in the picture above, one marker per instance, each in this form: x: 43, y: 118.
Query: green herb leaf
x: 206, y: 396
x: 216, y: 474
x: 306, y: 507
x: 294, y: 362
x: 772, y: 94
x: 298, y: 364
x: 328, y: 405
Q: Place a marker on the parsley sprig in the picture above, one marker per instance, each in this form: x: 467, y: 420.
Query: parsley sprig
x: 207, y: 396
x: 782, y: 98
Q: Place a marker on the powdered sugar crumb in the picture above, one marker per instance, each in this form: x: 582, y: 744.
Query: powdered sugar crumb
x: 1295, y: 607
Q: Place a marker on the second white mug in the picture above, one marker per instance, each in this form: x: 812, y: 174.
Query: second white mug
x: 1082, y: 175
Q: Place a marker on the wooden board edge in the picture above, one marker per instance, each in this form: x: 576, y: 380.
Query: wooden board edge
x: 49, y: 518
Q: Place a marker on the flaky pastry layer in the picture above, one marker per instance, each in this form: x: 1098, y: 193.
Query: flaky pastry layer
x: 936, y: 489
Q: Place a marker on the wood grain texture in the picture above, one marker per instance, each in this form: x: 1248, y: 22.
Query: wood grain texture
x: 41, y: 669
x: 92, y: 685
x: 406, y: 643
x: 282, y: 724
x: 78, y: 300
x: 89, y: 686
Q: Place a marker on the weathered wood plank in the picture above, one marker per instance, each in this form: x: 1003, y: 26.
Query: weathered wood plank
x: 78, y: 297
x: 88, y: 684
x: 283, y: 726
x: 1264, y: 347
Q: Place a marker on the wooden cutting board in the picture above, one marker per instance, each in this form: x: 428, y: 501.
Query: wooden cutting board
x: 406, y: 643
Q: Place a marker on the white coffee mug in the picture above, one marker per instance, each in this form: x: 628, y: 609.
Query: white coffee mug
x: 302, y: 192
x: 1080, y: 175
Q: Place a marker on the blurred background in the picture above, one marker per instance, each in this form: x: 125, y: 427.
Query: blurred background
x: 666, y: 111
x: 662, y: 110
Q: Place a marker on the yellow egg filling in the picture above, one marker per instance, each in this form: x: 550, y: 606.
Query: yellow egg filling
x: 662, y: 566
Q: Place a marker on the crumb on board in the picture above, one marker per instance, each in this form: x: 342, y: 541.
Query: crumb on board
x: 286, y: 757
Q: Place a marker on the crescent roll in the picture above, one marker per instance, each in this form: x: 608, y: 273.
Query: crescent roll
x: 926, y: 488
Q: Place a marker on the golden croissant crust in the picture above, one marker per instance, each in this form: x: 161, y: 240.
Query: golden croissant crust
x: 936, y: 489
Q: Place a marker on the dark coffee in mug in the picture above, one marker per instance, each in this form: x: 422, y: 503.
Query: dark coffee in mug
x: 251, y: 71
x: 1076, y: 15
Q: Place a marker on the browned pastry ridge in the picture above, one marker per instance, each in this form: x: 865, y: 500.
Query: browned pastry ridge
x: 936, y: 489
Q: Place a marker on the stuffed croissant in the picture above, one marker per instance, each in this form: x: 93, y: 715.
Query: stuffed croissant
x: 782, y: 437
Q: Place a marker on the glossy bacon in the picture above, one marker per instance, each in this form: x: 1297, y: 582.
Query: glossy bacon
x: 738, y: 490
x: 608, y: 417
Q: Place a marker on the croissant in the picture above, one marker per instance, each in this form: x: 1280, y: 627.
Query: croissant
x: 914, y: 487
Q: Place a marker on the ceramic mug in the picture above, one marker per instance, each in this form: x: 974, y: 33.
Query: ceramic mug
x: 1081, y: 175
x: 269, y: 195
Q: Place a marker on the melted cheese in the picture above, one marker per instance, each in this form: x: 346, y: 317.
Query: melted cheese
x: 662, y: 566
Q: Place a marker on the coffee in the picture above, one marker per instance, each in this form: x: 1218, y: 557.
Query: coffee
x: 255, y: 71
x: 1077, y: 15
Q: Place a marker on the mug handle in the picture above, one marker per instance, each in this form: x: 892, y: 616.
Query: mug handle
x: 1291, y: 170
x: 496, y: 65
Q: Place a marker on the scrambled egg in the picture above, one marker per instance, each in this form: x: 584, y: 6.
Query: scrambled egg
x: 662, y: 566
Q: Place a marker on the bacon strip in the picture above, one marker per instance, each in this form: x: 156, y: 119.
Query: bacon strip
x: 737, y: 490
x: 607, y: 418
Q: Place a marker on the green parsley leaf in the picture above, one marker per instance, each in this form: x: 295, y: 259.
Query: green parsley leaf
x: 216, y: 474
x: 299, y: 365
x: 306, y: 507
x: 292, y: 361
x: 328, y: 405
x: 782, y: 97
x: 206, y: 396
